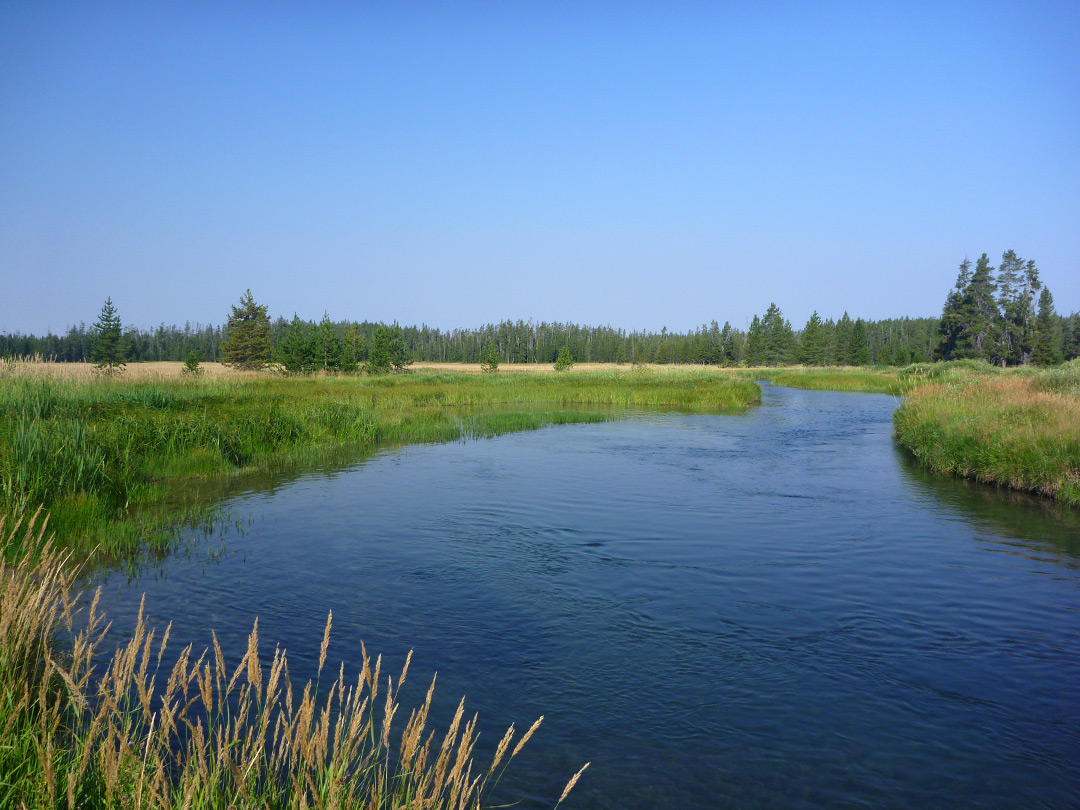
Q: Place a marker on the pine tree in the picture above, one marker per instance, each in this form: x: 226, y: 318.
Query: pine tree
x: 107, y: 342
x: 842, y: 341
x: 378, y: 361
x: 859, y: 348
x: 755, y: 343
x: 979, y: 314
x: 327, y: 345
x: 812, y: 346
x: 565, y: 360
x: 247, y: 342
x: 294, y: 351
x: 1049, y: 344
x: 490, y: 362
x: 352, y: 349
x: 952, y: 322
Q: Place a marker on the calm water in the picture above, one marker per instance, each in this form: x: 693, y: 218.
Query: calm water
x: 773, y: 609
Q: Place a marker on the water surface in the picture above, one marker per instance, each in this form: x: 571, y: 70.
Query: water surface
x: 759, y: 610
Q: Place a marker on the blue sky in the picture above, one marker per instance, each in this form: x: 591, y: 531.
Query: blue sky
x: 634, y: 164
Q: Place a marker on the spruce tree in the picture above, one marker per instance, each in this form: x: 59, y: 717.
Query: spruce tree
x: 489, y: 363
x: 379, y: 355
x: 952, y: 321
x: 106, y: 347
x: 294, y: 351
x: 859, y: 348
x: 843, y: 341
x: 812, y: 345
x: 1049, y: 345
x: 979, y: 314
x: 755, y: 343
x: 247, y: 342
x: 327, y: 345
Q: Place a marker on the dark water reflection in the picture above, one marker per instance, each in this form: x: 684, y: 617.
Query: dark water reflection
x: 771, y: 609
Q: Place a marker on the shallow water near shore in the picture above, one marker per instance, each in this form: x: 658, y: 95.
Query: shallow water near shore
x: 773, y: 608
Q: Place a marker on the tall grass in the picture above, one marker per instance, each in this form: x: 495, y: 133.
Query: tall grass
x: 1016, y: 429
x: 99, y: 452
x: 85, y: 726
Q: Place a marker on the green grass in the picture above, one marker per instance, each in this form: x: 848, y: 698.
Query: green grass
x: 106, y: 457
x: 876, y: 381
x: 1018, y: 428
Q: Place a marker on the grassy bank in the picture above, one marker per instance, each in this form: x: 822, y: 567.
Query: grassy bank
x: 104, y: 455
x: 92, y: 727
x: 875, y: 381
x: 1018, y: 429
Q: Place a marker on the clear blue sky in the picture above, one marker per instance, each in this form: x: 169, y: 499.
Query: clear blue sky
x: 633, y: 164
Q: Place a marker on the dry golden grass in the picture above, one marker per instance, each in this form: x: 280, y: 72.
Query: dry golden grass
x: 128, y: 730
x: 164, y: 370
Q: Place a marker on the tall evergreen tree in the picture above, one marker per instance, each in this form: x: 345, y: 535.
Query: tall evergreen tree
x: 952, y: 317
x: 107, y: 342
x: 812, y: 347
x: 755, y: 343
x: 979, y: 314
x: 842, y: 341
x: 294, y: 350
x: 859, y: 348
x: 247, y: 336
x: 1049, y: 344
x: 327, y: 345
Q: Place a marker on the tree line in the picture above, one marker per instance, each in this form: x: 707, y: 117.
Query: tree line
x: 989, y: 314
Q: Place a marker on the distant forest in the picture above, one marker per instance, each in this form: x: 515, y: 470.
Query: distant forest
x: 989, y: 314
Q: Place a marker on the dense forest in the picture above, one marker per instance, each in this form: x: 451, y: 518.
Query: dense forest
x: 989, y: 314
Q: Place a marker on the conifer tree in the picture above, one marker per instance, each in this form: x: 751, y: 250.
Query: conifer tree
x: 859, y: 348
x: 490, y: 362
x: 247, y: 342
x: 1049, y: 344
x: 352, y: 348
x: 327, y: 345
x: 565, y: 360
x: 107, y: 342
x: 812, y: 346
x: 979, y: 314
x: 294, y: 350
x: 378, y: 361
x: 755, y: 343
x: 843, y: 341
x: 951, y: 325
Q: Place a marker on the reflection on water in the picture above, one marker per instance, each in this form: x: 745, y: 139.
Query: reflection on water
x: 774, y: 609
x: 1033, y: 522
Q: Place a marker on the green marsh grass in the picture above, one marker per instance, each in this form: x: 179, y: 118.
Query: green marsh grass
x: 1018, y: 429
x: 88, y: 726
x: 104, y: 454
x: 876, y: 381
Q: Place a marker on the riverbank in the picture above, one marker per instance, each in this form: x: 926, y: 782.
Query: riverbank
x: 1018, y: 428
x: 112, y: 459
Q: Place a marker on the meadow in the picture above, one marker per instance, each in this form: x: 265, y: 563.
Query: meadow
x: 117, y: 460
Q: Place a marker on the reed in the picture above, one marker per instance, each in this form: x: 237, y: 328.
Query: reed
x: 103, y: 455
x: 1017, y: 429
x: 142, y: 726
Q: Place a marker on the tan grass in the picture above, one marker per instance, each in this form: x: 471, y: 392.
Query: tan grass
x: 82, y: 372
